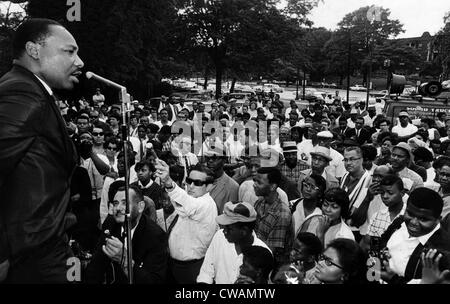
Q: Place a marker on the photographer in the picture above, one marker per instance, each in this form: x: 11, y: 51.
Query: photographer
x: 109, y: 263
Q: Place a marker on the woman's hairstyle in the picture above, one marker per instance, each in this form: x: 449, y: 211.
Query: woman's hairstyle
x: 352, y: 259
x: 340, y: 197
x: 321, y: 183
x: 312, y: 243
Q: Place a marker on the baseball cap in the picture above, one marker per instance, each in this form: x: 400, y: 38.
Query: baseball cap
x: 241, y: 212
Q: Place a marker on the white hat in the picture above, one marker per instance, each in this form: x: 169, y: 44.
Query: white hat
x: 325, y: 134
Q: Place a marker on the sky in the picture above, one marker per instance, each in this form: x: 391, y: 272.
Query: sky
x: 417, y: 16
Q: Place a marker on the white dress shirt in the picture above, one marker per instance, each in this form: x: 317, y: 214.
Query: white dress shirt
x: 222, y: 262
x: 196, y: 225
x: 401, y: 246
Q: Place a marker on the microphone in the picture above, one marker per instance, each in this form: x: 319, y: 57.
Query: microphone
x: 90, y: 75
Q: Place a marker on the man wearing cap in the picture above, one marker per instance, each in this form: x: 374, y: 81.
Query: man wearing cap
x: 336, y: 166
x: 401, y: 157
x: 274, y: 220
x: 194, y: 226
x: 292, y: 166
x: 224, y: 188
x: 408, y: 237
x: 405, y: 129
x: 352, y: 119
x: 224, y: 255
x: 320, y: 159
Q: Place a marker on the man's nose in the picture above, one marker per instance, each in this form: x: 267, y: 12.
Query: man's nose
x: 78, y: 62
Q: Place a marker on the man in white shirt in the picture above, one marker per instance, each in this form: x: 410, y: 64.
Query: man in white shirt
x: 192, y: 230
x: 405, y: 129
x: 224, y: 256
x: 420, y: 230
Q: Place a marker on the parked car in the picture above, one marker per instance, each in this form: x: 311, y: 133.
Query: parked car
x: 274, y: 87
x: 331, y: 85
x: 358, y: 87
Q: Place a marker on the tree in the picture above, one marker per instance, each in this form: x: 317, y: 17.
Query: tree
x: 9, y: 20
x: 442, y: 43
x: 359, y: 33
x: 244, y: 36
x: 127, y: 41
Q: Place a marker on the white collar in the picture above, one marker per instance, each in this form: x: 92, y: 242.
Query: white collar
x: 46, y: 86
x: 422, y: 239
x: 145, y: 187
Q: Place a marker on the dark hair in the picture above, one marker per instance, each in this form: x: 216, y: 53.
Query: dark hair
x: 260, y: 258
x: 144, y: 163
x: 423, y: 154
x: 312, y: 243
x: 352, y: 259
x: 273, y: 174
x: 112, y: 140
x: 119, y: 185
x: 35, y: 30
x: 441, y: 162
x: 390, y: 180
x: 424, y: 134
x: 340, y: 197
x: 153, y: 128
x: 439, y: 115
x: 114, y: 115
x: 369, y: 152
x: 202, y: 168
x: 342, y: 119
x: 321, y: 183
x: 246, y: 116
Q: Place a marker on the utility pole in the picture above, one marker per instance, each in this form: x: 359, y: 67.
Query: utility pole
x: 348, y: 64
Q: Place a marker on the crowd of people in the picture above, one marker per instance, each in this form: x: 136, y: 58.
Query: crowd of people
x: 251, y: 193
x: 274, y: 195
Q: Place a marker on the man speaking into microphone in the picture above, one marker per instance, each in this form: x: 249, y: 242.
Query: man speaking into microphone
x: 37, y: 157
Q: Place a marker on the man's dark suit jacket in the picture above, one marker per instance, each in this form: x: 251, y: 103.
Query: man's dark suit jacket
x: 37, y: 160
x: 150, y: 255
x: 364, y: 135
x: 346, y: 134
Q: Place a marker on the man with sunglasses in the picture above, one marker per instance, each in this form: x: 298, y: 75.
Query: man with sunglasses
x: 194, y: 225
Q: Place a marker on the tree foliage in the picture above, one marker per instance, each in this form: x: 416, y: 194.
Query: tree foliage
x: 124, y: 40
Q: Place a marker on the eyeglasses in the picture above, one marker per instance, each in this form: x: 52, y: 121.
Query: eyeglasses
x: 97, y: 134
x: 328, y: 261
x: 351, y: 160
x: 111, y: 148
x: 309, y: 186
x: 196, y: 182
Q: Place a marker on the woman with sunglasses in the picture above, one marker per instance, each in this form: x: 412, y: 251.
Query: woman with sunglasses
x: 342, y: 262
x: 335, y: 211
x: 306, y: 210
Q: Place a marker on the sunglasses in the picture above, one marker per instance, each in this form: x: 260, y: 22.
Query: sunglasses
x: 97, y: 134
x: 196, y: 182
x: 328, y: 261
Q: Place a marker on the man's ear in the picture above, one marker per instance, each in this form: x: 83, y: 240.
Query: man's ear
x: 141, y: 206
x: 32, y: 49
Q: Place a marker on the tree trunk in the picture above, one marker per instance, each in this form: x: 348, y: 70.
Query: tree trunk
x: 205, y: 84
x: 219, y: 72
x: 233, y: 83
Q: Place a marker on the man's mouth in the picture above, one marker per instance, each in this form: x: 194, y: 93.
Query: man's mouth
x: 76, y: 74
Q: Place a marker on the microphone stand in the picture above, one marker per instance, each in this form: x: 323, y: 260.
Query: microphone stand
x: 125, y: 99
